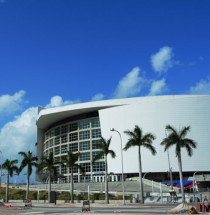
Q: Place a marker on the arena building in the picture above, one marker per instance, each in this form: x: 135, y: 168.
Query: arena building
x: 78, y: 128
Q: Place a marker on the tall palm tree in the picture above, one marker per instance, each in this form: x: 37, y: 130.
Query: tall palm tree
x: 104, y: 146
x: 28, y: 160
x: 48, y: 164
x: 70, y: 162
x: 136, y: 138
x: 10, y: 166
x: 179, y: 140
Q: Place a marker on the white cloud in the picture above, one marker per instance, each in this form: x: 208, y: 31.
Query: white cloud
x: 19, y: 134
x: 202, y: 87
x: 11, y: 103
x: 97, y: 97
x: 57, y: 101
x: 130, y: 85
x: 158, y: 87
x: 162, y: 60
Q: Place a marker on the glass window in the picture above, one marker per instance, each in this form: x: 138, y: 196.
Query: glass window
x: 85, y: 166
x: 95, y: 123
x: 73, y: 147
x: 84, y: 124
x: 73, y: 126
x: 57, y: 169
x: 63, y: 149
x: 57, y: 131
x: 96, y: 153
x: 85, y: 178
x: 84, y: 145
x: 63, y: 158
x: 64, y: 129
x: 84, y: 156
x: 51, y: 133
x: 46, y: 145
x: 57, y: 159
x: 63, y: 169
x: 51, y: 150
x: 75, y: 169
x: 96, y: 133
x: 98, y: 166
x: 75, y: 177
x: 51, y: 142
x: 63, y: 138
x: 73, y: 137
x: 47, y: 136
x: 95, y: 144
x: 64, y: 179
x: 57, y: 150
x: 84, y: 135
x: 57, y: 140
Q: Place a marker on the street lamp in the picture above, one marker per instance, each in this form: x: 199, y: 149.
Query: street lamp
x: 194, y: 186
x: 123, y: 187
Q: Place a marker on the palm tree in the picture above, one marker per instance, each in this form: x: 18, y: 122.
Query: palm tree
x: 28, y: 160
x: 179, y: 140
x: 104, y: 147
x: 10, y: 166
x: 49, y: 165
x: 136, y: 138
x: 70, y: 162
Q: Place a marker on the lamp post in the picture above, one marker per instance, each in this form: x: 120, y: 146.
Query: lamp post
x: 194, y: 186
x: 169, y: 166
x: 123, y: 187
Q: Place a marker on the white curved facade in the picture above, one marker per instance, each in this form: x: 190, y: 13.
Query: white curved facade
x: 152, y: 114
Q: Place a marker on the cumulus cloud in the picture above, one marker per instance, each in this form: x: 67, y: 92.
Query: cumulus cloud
x: 130, y: 85
x: 57, y: 101
x: 158, y: 87
x: 98, y: 97
x: 19, y: 134
x: 202, y: 87
x: 162, y: 60
x: 11, y: 103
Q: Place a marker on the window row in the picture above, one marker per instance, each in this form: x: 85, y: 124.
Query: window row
x: 94, y: 123
x: 97, y: 167
x: 67, y: 179
x: 83, y: 135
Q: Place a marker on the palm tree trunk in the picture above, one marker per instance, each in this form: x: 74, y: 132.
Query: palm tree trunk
x: 49, y: 188
x: 72, y: 186
x: 7, y: 188
x: 140, y: 178
x: 181, y: 177
x: 27, y: 192
x: 106, y: 182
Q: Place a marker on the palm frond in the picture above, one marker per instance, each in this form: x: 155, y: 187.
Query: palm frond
x: 98, y: 156
x: 112, y: 153
x: 151, y: 148
x: 184, y: 131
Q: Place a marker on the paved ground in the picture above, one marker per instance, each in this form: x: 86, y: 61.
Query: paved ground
x: 61, y: 209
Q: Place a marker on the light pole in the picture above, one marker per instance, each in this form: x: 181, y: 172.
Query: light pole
x: 123, y: 187
x: 170, y: 168
x: 194, y: 186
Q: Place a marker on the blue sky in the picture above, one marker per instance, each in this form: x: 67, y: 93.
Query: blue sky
x: 55, y: 53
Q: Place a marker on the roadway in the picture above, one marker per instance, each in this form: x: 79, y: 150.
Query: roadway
x: 101, y: 209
